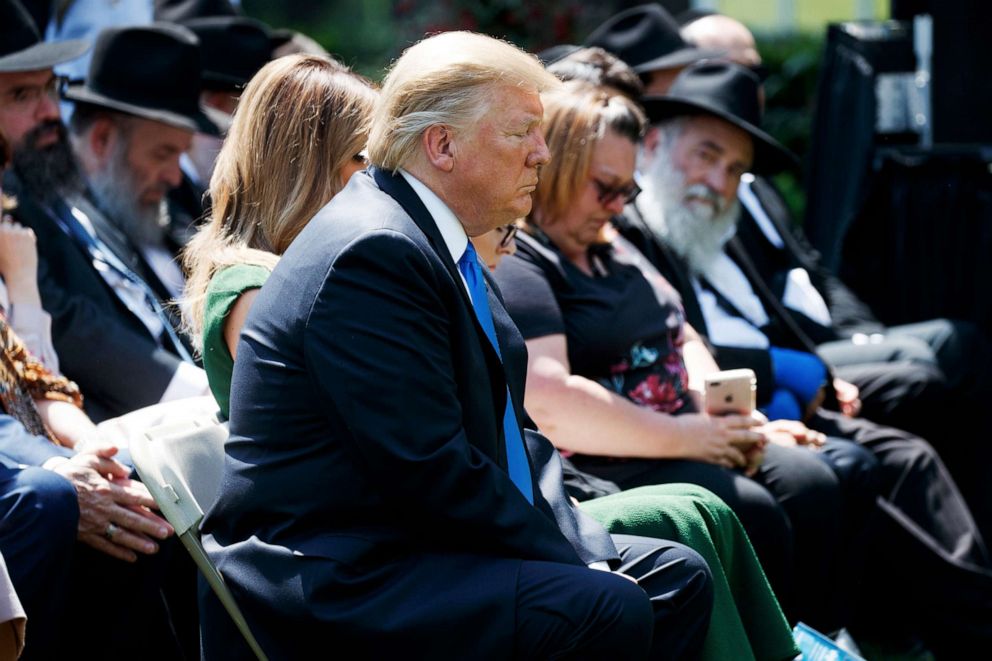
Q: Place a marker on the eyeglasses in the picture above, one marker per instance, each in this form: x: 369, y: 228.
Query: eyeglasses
x: 511, y: 231
x: 609, y: 194
x: 28, y: 98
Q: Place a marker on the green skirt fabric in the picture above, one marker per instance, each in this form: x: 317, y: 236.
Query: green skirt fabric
x: 747, y: 622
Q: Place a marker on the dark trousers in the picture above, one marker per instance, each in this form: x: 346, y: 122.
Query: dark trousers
x: 930, y: 567
x: 569, y: 612
x: 792, y: 511
x: 38, y: 519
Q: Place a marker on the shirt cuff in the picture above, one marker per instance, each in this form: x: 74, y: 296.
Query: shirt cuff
x: 188, y: 381
x: 51, y: 463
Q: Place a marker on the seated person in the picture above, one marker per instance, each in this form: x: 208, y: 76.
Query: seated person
x: 377, y: 490
x: 746, y: 617
x: 606, y: 373
x: 709, y: 136
x: 310, y: 118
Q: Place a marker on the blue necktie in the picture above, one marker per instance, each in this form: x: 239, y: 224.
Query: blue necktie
x: 516, y: 457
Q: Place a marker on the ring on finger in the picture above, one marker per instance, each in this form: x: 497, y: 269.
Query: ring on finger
x: 111, y: 531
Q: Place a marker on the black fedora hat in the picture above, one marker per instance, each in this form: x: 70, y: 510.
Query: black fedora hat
x: 180, y: 11
x: 730, y: 92
x: 151, y: 71
x: 647, y: 38
x: 232, y: 49
x: 21, y: 47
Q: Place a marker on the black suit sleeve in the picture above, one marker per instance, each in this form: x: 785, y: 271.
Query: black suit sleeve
x: 380, y: 343
x: 113, y: 364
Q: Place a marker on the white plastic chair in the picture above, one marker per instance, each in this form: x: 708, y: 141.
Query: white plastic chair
x: 181, y: 463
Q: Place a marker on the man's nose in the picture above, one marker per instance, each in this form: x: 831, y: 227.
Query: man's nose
x: 540, y: 155
x: 173, y: 174
x: 47, y: 109
x: 716, y: 178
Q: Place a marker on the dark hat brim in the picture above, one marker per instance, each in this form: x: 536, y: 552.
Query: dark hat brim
x: 680, y: 58
x: 43, y: 55
x: 197, y: 122
x: 770, y: 156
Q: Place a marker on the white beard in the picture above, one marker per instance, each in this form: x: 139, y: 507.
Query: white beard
x: 696, y: 231
x: 116, y: 194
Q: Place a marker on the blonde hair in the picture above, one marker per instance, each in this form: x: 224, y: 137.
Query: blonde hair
x: 576, y: 118
x: 298, y: 123
x: 445, y: 79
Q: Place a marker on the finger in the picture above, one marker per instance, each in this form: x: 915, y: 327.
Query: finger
x: 101, y: 544
x: 147, y: 524
x: 746, y: 438
x: 129, y: 492
x: 107, y: 466
x: 134, y: 541
x: 736, y: 457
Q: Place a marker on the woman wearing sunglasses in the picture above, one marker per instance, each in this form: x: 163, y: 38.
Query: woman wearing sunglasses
x: 614, y: 372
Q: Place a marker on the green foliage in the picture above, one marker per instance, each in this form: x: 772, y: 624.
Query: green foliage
x: 369, y: 34
x: 794, y: 62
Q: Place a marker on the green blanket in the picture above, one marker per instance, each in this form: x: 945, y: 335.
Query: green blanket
x: 747, y: 622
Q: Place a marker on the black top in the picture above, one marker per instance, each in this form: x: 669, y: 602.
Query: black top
x: 623, y: 325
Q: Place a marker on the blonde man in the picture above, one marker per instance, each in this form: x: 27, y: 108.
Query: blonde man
x: 378, y: 494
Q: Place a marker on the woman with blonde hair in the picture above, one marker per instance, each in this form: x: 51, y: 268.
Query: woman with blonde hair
x: 297, y: 137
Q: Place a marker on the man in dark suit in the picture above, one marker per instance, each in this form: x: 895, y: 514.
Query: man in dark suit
x: 378, y: 493
x: 111, y: 330
x: 710, y: 136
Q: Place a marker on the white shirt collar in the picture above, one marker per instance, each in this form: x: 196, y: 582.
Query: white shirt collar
x: 452, y: 231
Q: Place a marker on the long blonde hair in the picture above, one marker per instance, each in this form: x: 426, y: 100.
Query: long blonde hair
x: 298, y: 123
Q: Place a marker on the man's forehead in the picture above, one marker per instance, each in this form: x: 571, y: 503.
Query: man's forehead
x: 154, y: 134
x: 12, y: 79
x: 732, y: 140
x: 515, y: 103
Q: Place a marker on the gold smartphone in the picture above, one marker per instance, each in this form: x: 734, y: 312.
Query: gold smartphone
x: 731, y: 391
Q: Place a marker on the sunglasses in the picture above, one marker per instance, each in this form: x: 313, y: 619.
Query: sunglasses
x: 608, y: 194
x: 511, y: 231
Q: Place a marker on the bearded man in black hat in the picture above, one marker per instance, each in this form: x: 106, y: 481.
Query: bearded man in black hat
x: 103, y: 268
x: 709, y: 137
x: 93, y: 592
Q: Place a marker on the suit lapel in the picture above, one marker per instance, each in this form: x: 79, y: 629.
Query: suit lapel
x: 396, y: 187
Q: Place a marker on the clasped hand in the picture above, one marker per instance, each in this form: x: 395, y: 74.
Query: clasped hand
x: 732, y: 441
x: 115, y: 514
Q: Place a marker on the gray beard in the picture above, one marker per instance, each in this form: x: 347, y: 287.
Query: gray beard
x: 116, y: 194
x: 696, y: 232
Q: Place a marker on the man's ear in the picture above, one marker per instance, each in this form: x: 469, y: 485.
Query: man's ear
x: 439, y: 147
x: 101, y: 138
x: 650, y: 143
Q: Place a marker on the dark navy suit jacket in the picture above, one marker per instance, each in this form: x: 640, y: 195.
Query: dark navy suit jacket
x: 365, y: 499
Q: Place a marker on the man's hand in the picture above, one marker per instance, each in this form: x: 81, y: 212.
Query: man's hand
x: 791, y: 433
x: 849, y: 397
x: 114, y: 515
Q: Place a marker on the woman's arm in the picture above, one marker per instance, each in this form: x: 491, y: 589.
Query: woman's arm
x: 583, y: 416
x: 67, y: 421
x: 235, y: 320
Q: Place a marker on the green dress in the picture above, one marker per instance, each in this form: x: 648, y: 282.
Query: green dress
x: 747, y: 622
x: 224, y: 289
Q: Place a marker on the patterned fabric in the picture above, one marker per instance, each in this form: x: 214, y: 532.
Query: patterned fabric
x: 24, y: 379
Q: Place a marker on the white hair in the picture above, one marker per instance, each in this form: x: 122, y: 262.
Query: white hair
x: 446, y: 79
